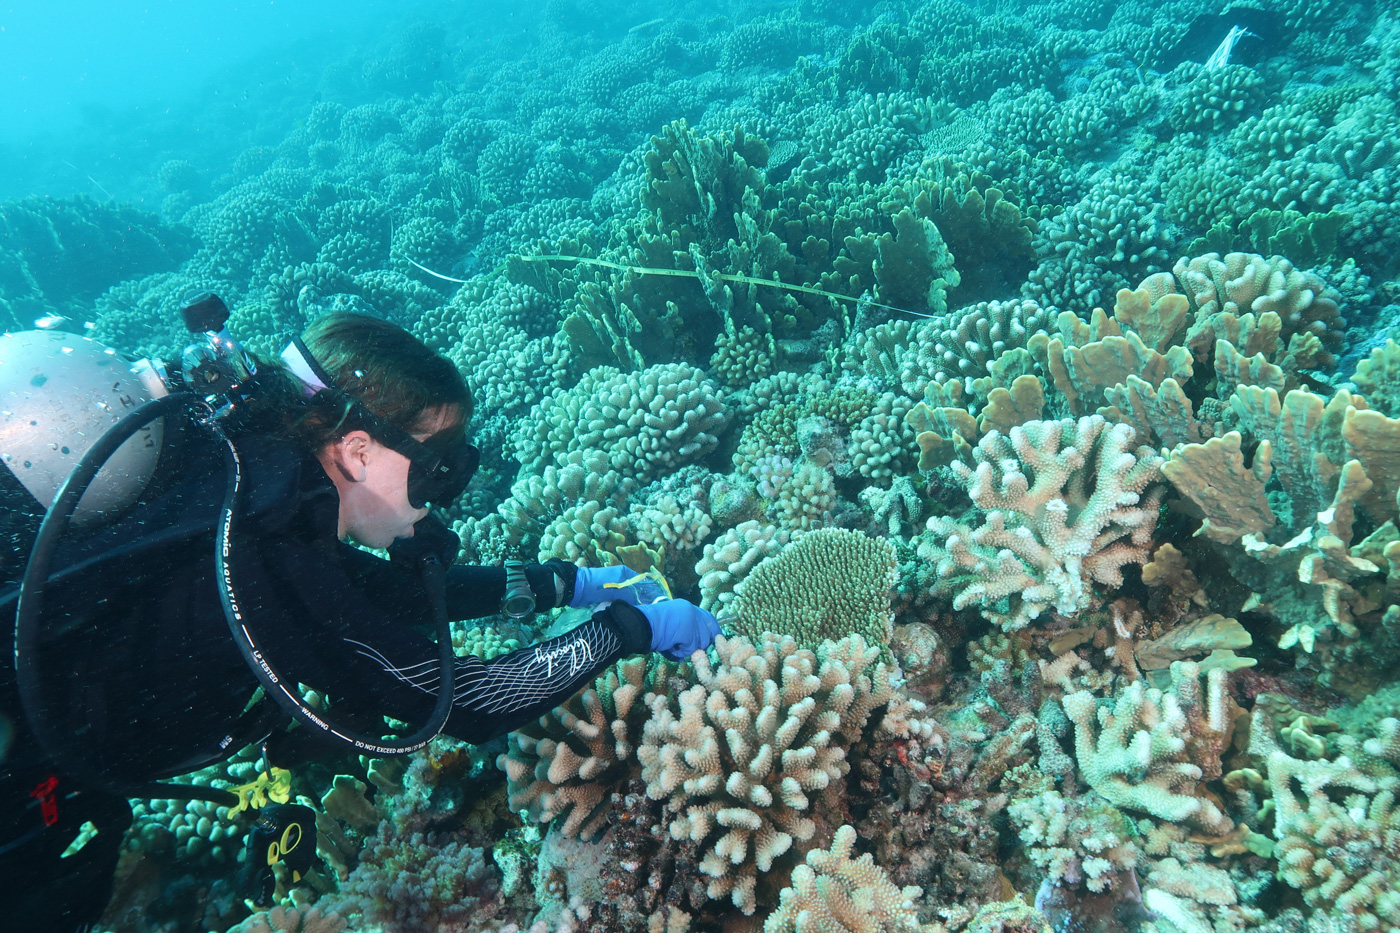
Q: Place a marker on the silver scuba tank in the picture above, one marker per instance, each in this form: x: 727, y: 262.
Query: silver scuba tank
x: 58, y: 393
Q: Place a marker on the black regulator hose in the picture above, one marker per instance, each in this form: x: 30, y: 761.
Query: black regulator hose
x: 58, y: 742
x: 285, y: 692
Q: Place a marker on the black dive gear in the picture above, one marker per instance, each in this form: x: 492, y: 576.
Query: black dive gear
x: 61, y: 744
x: 431, y: 539
x: 285, y: 833
x: 216, y: 396
x: 519, y: 600
x: 217, y: 367
x: 439, y: 468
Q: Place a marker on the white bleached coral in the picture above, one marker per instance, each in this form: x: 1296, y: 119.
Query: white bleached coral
x: 796, y: 495
x: 561, y: 512
x: 1151, y: 750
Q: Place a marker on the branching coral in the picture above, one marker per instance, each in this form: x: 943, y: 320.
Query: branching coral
x: 1287, y: 521
x: 1336, y: 823
x: 750, y: 756
x: 567, y: 764
x: 561, y: 512
x: 1065, y: 505
x: 1239, y: 283
x: 835, y: 893
x: 1153, y: 749
x: 732, y: 557
x: 1075, y: 840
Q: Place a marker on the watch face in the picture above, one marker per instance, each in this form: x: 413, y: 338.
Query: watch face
x: 517, y: 605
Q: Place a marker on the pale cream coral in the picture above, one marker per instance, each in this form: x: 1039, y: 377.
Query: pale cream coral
x: 731, y: 557
x: 835, y: 893
x: 1067, y: 504
x: 1337, y: 825
x: 567, y: 763
x: 744, y: 759
x: 563, y: 505
x: 644, y: 423
x: 1239, y: 283
x: 1152, y: 749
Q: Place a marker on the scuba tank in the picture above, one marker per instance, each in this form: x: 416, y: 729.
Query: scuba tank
x: 59, y: 392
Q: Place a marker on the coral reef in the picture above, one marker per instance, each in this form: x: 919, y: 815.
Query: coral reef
x: 1066, y: 505
x: 834, y: 891
x: 749, y: 756
x: 824, y: 585
x: 1018, y: 384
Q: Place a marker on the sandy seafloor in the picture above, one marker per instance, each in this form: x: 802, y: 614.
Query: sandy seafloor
x: 1016, y: 380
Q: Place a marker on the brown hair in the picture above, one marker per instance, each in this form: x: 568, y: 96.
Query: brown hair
x: 373, y: 362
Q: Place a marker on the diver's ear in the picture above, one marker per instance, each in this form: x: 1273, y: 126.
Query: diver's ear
x: 351, y: 454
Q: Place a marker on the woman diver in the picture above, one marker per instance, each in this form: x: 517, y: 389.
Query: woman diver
x: 350, y: 438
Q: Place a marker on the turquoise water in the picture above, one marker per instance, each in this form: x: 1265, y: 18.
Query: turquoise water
x: 1024, y: 372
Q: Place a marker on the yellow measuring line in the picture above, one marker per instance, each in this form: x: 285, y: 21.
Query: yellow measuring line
x: 684, y: 274
x: 722, y: 276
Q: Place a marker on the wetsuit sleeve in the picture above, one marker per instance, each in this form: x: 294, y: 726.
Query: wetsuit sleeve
x: 494, y: 697
x: 472, y: 592
x: 351, y: 626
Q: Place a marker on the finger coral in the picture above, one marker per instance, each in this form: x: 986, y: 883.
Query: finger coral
x: 747, y: 760
x: 567, y: 764
x: 835, y: 893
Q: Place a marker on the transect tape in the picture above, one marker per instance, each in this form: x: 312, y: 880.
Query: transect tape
x: 686, y: 274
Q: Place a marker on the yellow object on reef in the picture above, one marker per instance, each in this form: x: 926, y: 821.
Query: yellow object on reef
x: 652, y: 575
x: 272, y: 786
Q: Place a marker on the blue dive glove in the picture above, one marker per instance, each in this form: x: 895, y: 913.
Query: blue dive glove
x: 679, y: 628
x: 590, y: 587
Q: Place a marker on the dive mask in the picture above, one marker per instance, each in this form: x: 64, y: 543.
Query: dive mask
x: 439, y: 467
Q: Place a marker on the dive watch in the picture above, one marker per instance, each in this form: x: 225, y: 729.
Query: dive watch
x: 519, y: 600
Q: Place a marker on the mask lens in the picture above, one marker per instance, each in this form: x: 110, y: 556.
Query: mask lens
x: 442, y: 477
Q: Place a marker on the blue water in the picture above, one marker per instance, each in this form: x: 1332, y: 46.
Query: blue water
x: 91, y: 92
x: 64, y: 62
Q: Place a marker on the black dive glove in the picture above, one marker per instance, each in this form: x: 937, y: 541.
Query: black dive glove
x: 431, y: 539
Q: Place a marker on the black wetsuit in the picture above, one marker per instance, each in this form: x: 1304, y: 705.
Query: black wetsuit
x: 146, y: 673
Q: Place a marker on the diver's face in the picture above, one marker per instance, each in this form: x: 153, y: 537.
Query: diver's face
x: 372, y: 481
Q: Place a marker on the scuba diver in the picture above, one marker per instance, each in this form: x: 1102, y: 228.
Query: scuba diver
x: 176, y: 633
